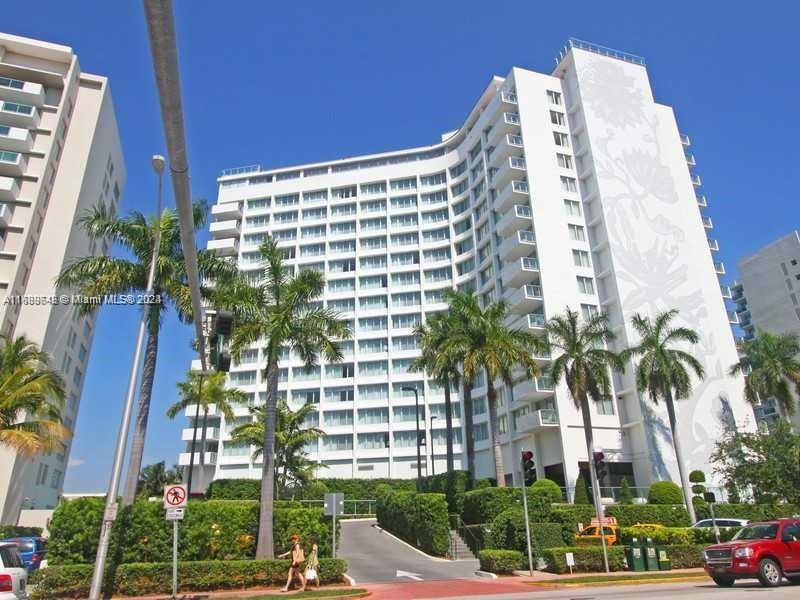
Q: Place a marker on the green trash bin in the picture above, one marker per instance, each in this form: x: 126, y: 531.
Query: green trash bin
x: 635, y: 556
x: 651, y: 556
x: 664, y: 564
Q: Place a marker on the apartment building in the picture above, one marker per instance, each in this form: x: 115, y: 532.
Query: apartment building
x: 570, y: 189
x: 766, y: 297
x: 60, y: 154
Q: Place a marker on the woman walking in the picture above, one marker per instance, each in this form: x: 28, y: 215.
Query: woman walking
x: 296, y: 568
x: 312, y: 564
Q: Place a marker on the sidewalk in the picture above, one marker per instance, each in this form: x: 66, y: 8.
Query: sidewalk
x: 542, y: 576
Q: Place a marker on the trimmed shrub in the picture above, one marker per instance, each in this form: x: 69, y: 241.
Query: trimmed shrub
x: 212, y: 529
x: 659, y: 535
x: 549, y: 489
x: 625, y: 493
x: 453, y: 484
x: 420, y: 519
x: 500, y: 561
x: 664, y: 492
x: 357, y: 489
x: 570, y: 515
x: 667, y: 515
x: 9, y: 531
x: 484, y: 482
x: 588, y: 559
x: 234, y: 489
x: 581, y: 491
x: 507, y: 530
x: 136, y: 579
x: 685, y: 556
x: 705, y: 535
x: 483, y: 505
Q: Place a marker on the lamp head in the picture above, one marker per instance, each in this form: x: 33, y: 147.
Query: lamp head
x: 158, y: 163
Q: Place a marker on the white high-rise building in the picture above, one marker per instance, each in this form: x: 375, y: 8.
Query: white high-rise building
x: 571, y: 189
x: 767, y: 298
x: 59, y: 155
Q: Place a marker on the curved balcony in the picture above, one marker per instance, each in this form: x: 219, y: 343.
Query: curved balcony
x: 12, y: 164
x: 517, y: 192
x: 527, y: 299
x: 512, y: 168
x: 225, y: 229
x: 538, y: 420
x: 519, y: 244
x: 224, y: 247
x: 521, y: 271
x: 519, y: 217
x: 507, y: 145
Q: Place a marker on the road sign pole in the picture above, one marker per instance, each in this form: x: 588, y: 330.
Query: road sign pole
x: 333, y: 552
x: 174, y: 560
x: 527, y: 523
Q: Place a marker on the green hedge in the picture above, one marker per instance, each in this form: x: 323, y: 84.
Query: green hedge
x: 420, y: 519
x: 507, y: 530
x: 660, y: 535
x: 570, y: 516
x: 9, y: 531
x: 453, y: 484
x: 588, y: 559
x: 500, y: 561
x: 752, y: 512
x: 705, y: 535
x: 353, y: 489
x: 136, y: 579
x: 212, y: 529
x: 483, y: 505
x: 669, y: 515
x: 685, y: 556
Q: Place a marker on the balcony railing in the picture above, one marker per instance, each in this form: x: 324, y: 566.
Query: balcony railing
x: 530, y: 263
x: 526, y: 236
x: 517, y: 162
x: 511, y: 118
x: 519, y: 186
x: 696, y: 181
x: 508, y: 97
x: 707, y: 222
x: 545, y: 383
x: 701, y: 200
x: 514, y: 140
x: 713, y: 245
x: 719, y: 267
x: 523, y: 211
x: 536, y: 320
x: 533, y: 291
x: 685, y: 140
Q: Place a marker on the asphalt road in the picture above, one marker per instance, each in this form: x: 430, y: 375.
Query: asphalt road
x: 374, y: 556
x: 662, y: 591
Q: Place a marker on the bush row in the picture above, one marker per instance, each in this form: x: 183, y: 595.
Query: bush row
x: 677, y: 535
x: 508, y: 531
x: 589, y: 559
x: 500, y: 561
x: 9, y: 531
x: 752, y: 512
x: 420, y: 519
x: 212, y: 529
x: 353, y: 489
x: 136, y: 579
x: 453, y: 484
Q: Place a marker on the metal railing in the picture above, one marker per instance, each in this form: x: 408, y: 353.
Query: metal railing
x: 358, y: 506
x: 241, y: 170
x: 520, y: 186
x: 473, y: 535
x: 601, y: 50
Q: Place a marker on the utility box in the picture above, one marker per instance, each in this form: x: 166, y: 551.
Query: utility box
x: 635, y: 556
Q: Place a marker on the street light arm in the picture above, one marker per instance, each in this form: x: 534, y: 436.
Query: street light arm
x: 161, y: 29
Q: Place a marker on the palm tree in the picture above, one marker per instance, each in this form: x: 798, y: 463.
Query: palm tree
x: 292, y: 465
x: 486, y: 344
x: 662, y: 373
x: 153, y: 478
x: 280, y: 310
x: 31, y: 399
x: 770, y: 363
x: 585, y: 365
x: 104, y: 275
x: 205, y: 390
x: 441, y: 366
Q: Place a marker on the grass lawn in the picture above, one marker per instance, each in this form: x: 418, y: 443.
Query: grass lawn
x: 322, y: 593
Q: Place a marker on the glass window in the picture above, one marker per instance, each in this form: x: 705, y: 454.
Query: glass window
x: 577, y: 233
x: 406, y: 321
x: 335, y: 443
x: 376, y: 440
x: 372, y: 282
x: 372, y: 302
x: 404, y: 414
x: 401, y: 202
x: 373, y: 368
x: 581, y: 258
x: 405, y: 342
x: 404, y: 184
x: 374, y: 392
x: 569, y: 184
x: 379, y: 187
x: 373, y: 346
x: 374, y: 243
x: 435, y: 179
x: 408, y: 278
x: 585, y: 285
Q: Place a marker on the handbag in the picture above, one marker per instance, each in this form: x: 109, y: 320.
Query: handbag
x: 311, y: 574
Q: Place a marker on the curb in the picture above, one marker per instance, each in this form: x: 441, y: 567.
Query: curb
x: 350, y: 580
x: 485, y: 574
x: 566, y: 584
x: 415, y: 549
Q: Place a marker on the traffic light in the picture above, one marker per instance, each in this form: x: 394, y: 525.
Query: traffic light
x: 528, y: 467
x: 600, y: 467
x: 221, y: 329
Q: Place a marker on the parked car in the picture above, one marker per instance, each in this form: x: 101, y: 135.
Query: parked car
x: 13, y: 574
x: 707, y: 523
x: 765, y: 551
x: 591, y: 535
x: 32, y: 550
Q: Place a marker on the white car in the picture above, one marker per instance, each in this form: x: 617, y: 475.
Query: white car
x: 13, y: 574
x: 707, y: 523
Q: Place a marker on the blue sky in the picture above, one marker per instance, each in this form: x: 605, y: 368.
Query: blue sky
x: 286, y: 82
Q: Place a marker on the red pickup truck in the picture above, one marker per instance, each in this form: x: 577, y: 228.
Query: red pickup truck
x: 767, y: 551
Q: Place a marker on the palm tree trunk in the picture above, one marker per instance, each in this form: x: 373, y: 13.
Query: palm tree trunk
x: 468, y: 426
x: 266, y: 547
x: 203, y: 448
x: 142, y: 415
x: 194, y: 439
x: 494, y: 431
x: 448, y: 419
x: 598, y: 505
x: 676, y: 443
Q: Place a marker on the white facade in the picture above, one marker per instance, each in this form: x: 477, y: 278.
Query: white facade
x: 767, y: 297
x: 59, y: 155
x: 570, y: 189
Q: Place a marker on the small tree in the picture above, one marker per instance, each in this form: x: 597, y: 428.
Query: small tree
x: 625, y: 493
x: 698, y: 479
x: 581, y: 491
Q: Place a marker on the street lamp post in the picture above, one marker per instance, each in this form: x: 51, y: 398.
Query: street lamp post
x: 110, y: 513
x: 419, y: 457
x: 433, y: 457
